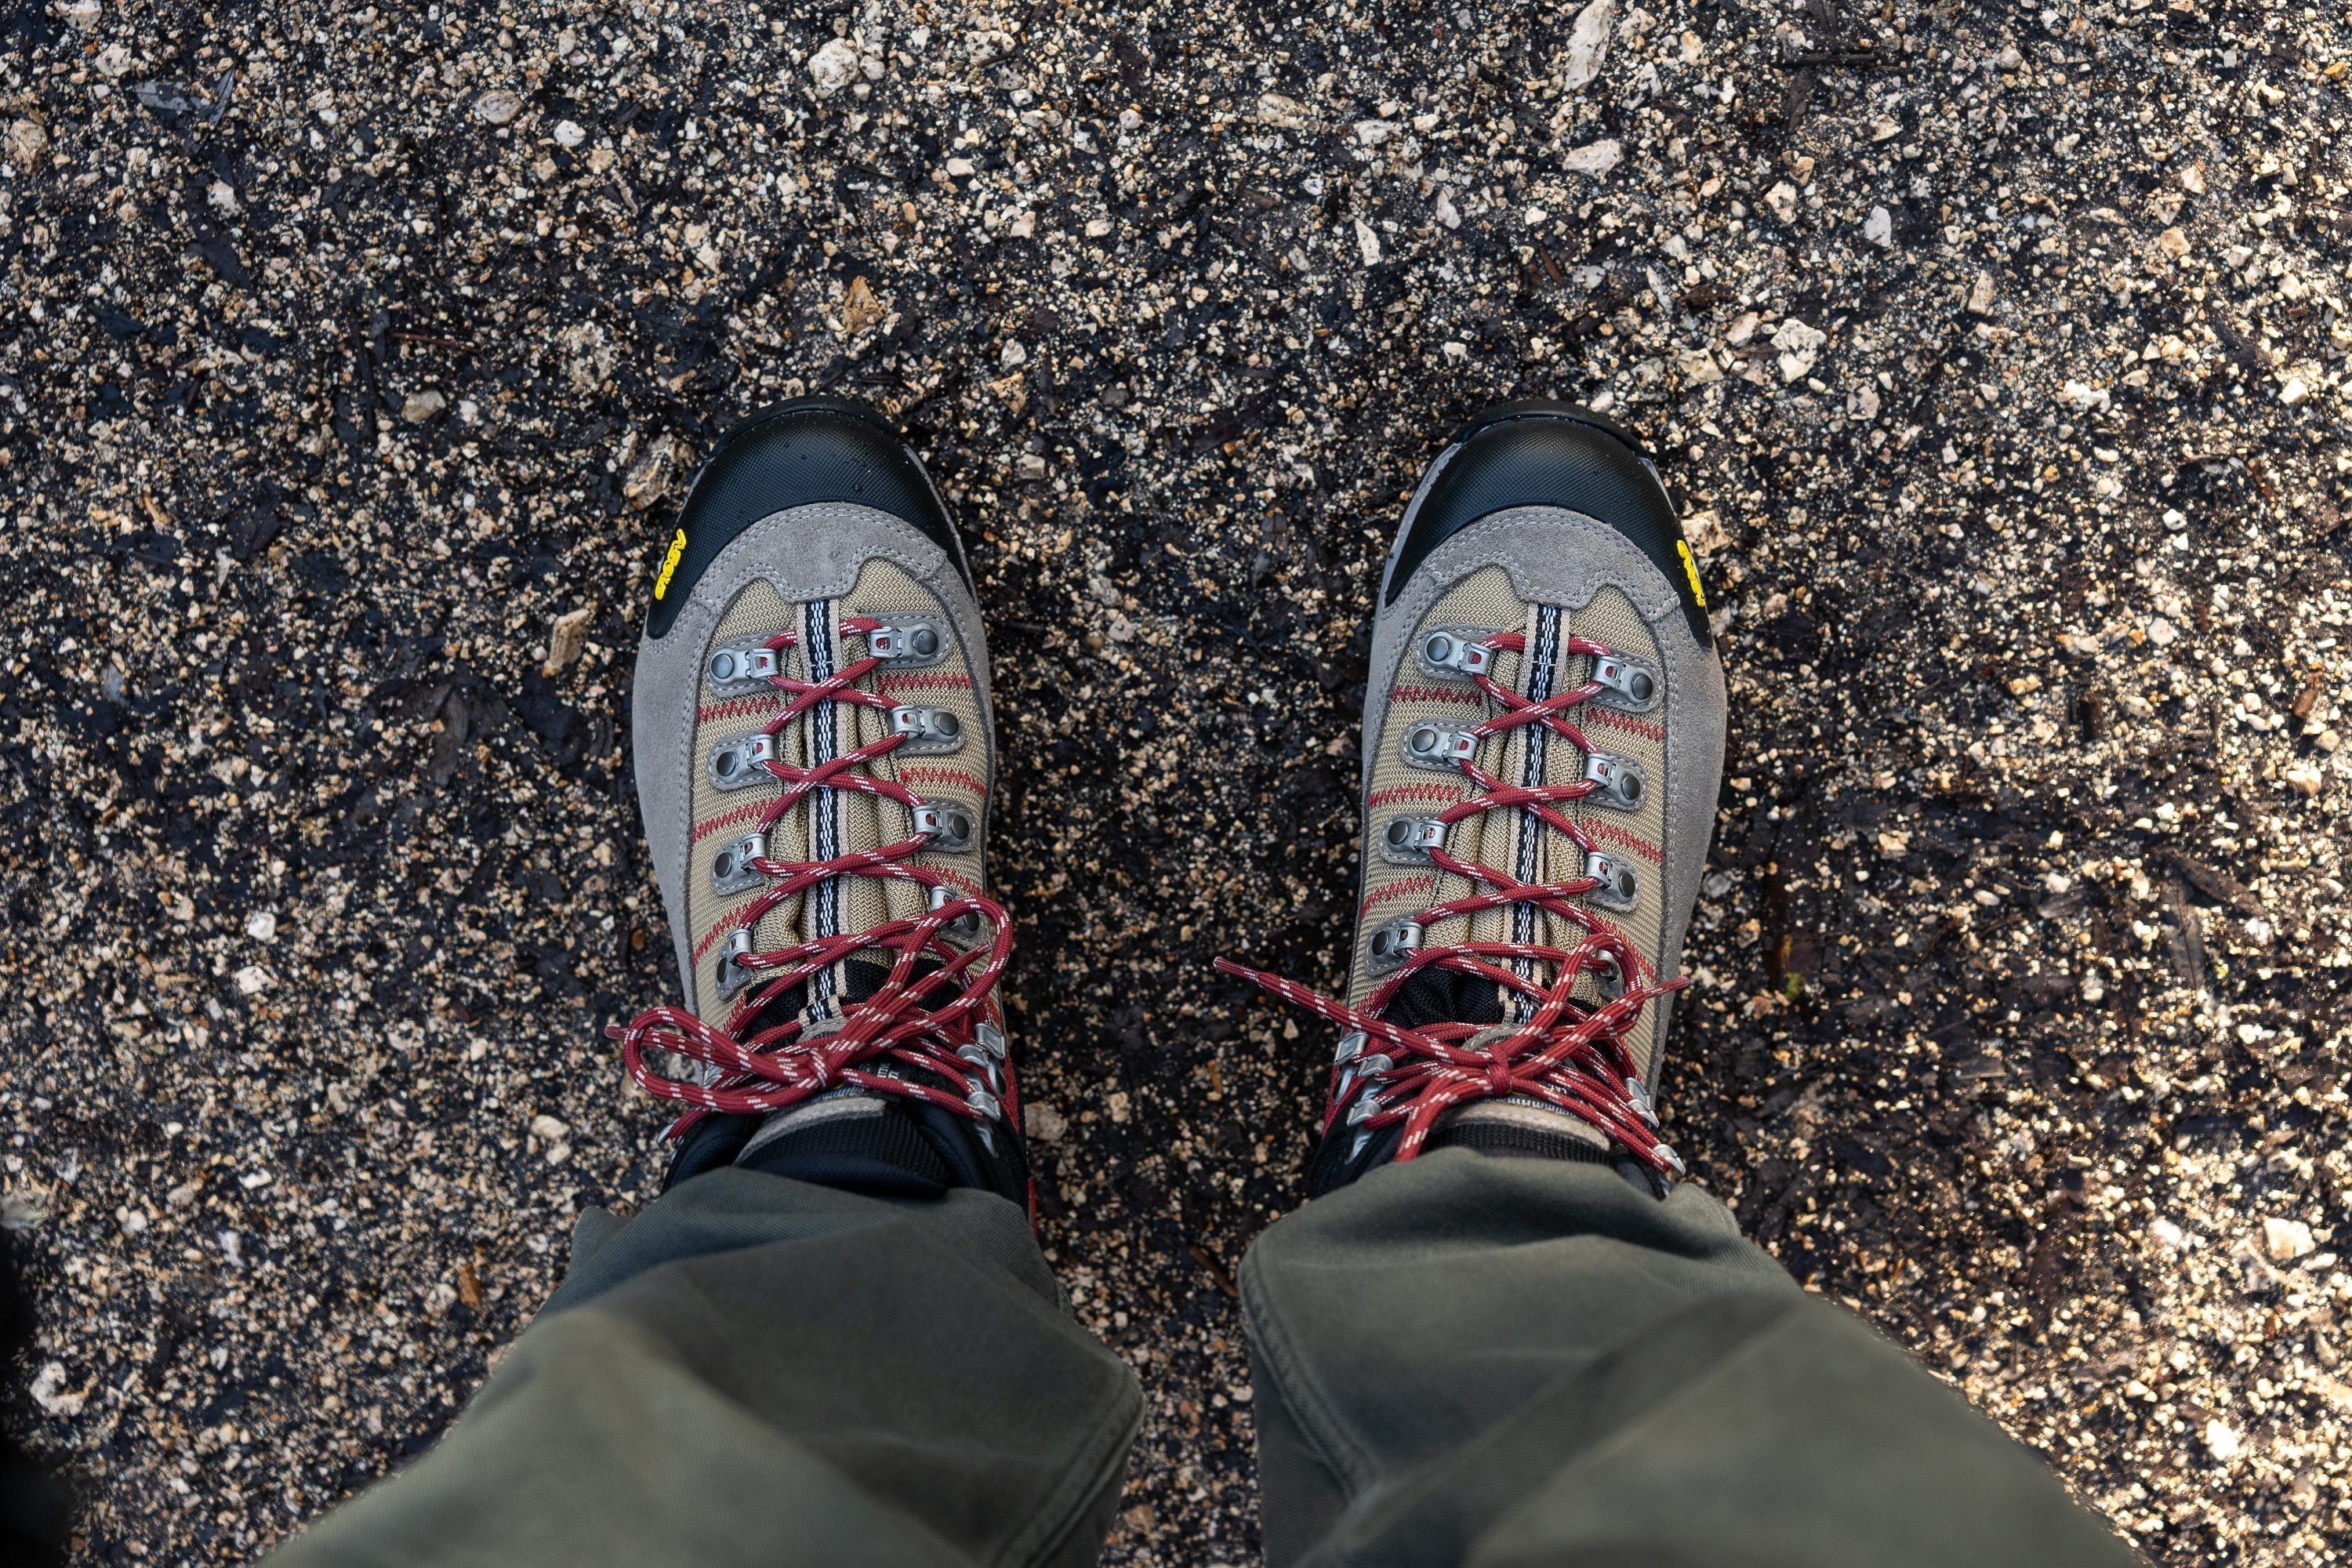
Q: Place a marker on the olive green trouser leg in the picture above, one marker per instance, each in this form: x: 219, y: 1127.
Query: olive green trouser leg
x: 756, y: 1371
x: 1483, y: 1361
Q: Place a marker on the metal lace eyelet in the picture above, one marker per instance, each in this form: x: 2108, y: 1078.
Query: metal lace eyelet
x: 962, y: 931
x: 1408, y: 840
x: 979, y: 1099
x: 944, y: 825
x: 1624, y: 785
x: 1351, y: 1045
x: 1618, y: 888
x: 990, y: 1038
x: 732, y: 975
x: 992, y: 1069
x: 906, y: 641
x: 1456, y: 653
x: 1627, y: 685
x: 1639, y: 1098
x: 731, y: 869
x: 742, y: 665
x: 1389, y: 945
x: 929, y: 730
x: 1365, y: 1106
x: 1608, y: 976
x: 1361, y: 1069
x: 1434, y: 746
x: 738, y: 763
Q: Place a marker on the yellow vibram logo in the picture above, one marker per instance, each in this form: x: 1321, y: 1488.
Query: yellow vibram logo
x: 1690, y: 570
x: 677, y: 549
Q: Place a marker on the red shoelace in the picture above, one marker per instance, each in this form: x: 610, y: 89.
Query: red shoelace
x: 927, y: 1034
x: 1565, y: 1053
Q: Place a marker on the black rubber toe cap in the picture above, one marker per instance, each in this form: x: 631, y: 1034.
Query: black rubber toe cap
x: 1554, y: 454
x: 810, y: 449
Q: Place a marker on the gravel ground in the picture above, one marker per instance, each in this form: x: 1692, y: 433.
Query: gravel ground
x: 351, y: 367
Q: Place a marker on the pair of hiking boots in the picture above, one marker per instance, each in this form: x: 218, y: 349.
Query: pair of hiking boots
x: 815, y: 754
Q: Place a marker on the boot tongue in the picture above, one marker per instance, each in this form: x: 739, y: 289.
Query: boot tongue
x: 717, y: 1140
x: 846, y: 1138
x: 1436, y: 995
x: 1493, y: 1127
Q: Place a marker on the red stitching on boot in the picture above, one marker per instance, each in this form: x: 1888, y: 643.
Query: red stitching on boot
x: 924, y: 773
x: 919, y: 681
x: 1417, y: 795
x: 1402, y: 888
x: 1435, y: 694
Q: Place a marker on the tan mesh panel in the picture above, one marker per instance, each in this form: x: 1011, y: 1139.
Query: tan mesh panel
x: 1485, y: 599
x: 1509, y: 832
x: 863, y: 821
x: 961, y: 775
x: 1638, y: 835
x: 860, y: 816
x: 723, y: 815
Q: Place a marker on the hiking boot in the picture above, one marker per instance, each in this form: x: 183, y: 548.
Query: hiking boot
x: 814, y: 754
x: 1543, y: 739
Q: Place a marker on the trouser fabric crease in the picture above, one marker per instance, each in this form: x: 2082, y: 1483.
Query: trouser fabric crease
x: 1465, y: 1359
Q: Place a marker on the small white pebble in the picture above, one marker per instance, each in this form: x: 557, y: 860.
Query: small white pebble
x: 2285, y: 1239
x: 833, y: 67
x: 47, y: 1391
x: 1595, y: 160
